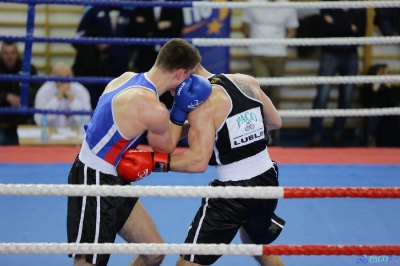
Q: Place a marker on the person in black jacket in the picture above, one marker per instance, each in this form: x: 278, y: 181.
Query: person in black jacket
x: 102, y: 60
x: 154, y: 22
x: 337, y: 59
x: 388, y: 21
x: 10, y: 94
x: 380, y: 130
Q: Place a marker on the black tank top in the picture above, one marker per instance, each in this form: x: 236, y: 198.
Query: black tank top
x: 242, y: 133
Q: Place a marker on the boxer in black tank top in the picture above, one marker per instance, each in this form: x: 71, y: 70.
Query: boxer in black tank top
x: 228, y: 131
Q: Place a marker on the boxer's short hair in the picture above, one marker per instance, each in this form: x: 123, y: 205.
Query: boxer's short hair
x: 178, y: 53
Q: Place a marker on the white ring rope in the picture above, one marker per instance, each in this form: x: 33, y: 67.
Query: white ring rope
x: 131, y: 248
x: 142, y: 191
x: 333, y: 80
x: 339, y: 112
x: 299, y: 5
x: 201, y: 249
x: 191, y: 191
x: 295, y: 41
x: 314, y: 80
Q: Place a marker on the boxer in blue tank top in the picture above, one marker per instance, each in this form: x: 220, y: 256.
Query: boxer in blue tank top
x: 129, y: 110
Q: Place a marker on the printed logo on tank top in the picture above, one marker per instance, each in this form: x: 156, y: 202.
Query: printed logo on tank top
x: 246, y: 127
x: 215, y: 80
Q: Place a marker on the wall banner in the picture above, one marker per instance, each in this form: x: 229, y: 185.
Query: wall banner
x: 206, y: 22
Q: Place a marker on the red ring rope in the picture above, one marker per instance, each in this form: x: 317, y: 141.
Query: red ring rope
x: 330, y: 250
x: 341, y: 192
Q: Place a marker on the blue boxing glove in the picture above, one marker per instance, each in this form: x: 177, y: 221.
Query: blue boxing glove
x: 188, y: 96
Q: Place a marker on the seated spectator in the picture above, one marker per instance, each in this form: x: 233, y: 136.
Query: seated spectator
x: 380, y: 130
x: 64, y: 96
x: 11, y: 64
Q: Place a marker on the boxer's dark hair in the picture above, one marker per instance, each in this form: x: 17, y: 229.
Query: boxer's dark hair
x: 178, y: 53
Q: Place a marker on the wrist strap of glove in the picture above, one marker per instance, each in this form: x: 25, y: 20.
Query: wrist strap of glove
x: 178, y: 116
x: 160, y: 162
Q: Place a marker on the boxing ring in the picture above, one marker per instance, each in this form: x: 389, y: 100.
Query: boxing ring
x: 341, y: 206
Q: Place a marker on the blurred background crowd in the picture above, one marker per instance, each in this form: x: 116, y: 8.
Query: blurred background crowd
x: 111, y: 60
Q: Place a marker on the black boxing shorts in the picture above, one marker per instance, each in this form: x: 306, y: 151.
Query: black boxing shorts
x: 218, y: 220
x: 95, y: 219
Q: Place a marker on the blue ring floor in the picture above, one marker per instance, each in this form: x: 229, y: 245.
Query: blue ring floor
x: 328, y: 221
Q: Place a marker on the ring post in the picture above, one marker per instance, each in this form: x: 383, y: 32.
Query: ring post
x: 26, y: 63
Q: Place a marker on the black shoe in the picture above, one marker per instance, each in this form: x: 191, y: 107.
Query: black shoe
x: 314, y: 143
x: 338, y: 142
x: 371, y: 142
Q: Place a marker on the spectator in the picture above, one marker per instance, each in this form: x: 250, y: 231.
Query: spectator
x: 63, y: 96
x: 380, y: 130
x: 388, y: 21
x: 337, y: 59
x: 154, y: 22
x: 102, y: 60
x: 11, y: 63
x: 269, y: 61
x: 308, y: 28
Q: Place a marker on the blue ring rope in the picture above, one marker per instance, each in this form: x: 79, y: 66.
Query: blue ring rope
x: 92, y: 80
x: 89, y: 40
x: 28, y: 110
x: 171, y: 4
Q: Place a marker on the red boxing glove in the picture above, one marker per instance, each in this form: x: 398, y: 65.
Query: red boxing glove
x: 136, y: 164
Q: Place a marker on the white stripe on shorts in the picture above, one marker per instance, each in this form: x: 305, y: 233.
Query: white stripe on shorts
x: 198, y: 228
x: 96, y: 237
x: 275, y: 222
x: 78, y: 239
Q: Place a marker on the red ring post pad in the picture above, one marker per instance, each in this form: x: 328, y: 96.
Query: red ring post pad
x: 329, y: 192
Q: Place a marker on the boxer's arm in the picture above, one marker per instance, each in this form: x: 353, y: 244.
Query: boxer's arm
x: 201, y: 138
x: 162, y: 135
x: 272, y: 119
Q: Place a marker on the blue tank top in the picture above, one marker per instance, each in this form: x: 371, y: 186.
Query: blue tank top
x: 102, y: 134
